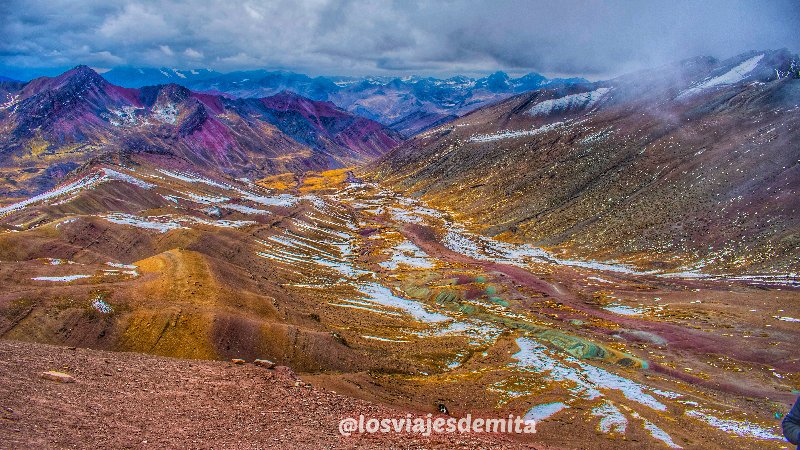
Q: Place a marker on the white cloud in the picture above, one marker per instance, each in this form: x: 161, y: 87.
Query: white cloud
x: 252, y: 11
x: 107, y: 58
x: 390, y: 36
x: 192, y: 53
x: 136, y: 23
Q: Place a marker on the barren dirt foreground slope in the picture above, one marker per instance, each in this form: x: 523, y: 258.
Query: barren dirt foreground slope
x: 131, y: 400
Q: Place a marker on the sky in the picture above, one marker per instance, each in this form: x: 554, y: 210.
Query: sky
x: 590, y: 38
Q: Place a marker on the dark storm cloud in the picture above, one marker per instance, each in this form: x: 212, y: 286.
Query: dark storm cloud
x: 591, y: 37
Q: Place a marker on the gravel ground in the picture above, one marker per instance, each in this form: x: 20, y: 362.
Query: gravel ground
x: 131, y: 400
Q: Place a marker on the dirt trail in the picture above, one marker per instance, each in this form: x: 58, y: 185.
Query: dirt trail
x: 175, y: 321
x: 183, y: 277
x: 425, y: 238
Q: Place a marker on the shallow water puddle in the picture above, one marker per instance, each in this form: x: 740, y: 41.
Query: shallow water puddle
x: 624, y: 310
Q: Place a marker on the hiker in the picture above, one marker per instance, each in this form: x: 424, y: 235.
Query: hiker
x: 791, y: 424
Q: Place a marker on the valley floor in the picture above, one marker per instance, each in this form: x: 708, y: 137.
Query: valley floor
x: 371, y: 294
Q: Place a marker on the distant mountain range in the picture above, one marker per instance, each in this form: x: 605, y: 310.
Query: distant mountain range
x: 689, y: 166
x: 408, y: 105
x: 53, y: 125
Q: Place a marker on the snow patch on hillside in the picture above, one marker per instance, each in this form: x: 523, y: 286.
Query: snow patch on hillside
x: 786, y: 318
x: 377, y: 293
x: 165, y: 223
x: 739, y: 428
x: 612, y: 420
x: 624, y: 310
x: 244, y: 209
x: 166, y: 113
x: 12, y: 100
x: 127, y: 116
x: 584, y: 100
x: 544, y: 411
x: 158, y: 223
x: 193, y: 178
x: 101, y: 306
x: 588, y: 381
x: 732, y: 76
x: 121, y: 266
x: 285, y: 200
x: 508, y: 134
x: 205, y: 199
x: 65, y: 278
x: 656, y: 432
x: 408, y: 254
x: 112, y: 174
x: 87, y: 182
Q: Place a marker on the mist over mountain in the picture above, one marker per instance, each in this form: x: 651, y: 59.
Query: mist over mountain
x: 693, y: 164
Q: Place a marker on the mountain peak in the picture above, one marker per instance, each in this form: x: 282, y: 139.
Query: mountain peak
x: 80, y: 74
x: 533, y: 76
x: 499, y: 75
x: 174, y: 91
x: 81, y: 67
x: 287, y: 100
x: 529, y: 82
x: 82, y: 70
x: 496, y: 82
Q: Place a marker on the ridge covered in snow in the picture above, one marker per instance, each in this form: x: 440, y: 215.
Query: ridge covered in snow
x: 572, y: 102
x: 732, y: 76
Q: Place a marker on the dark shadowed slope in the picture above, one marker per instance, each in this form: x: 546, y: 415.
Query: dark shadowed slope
x: 689, y: 166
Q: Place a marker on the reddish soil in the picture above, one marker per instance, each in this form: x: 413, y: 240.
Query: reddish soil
x: 131, y: 400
